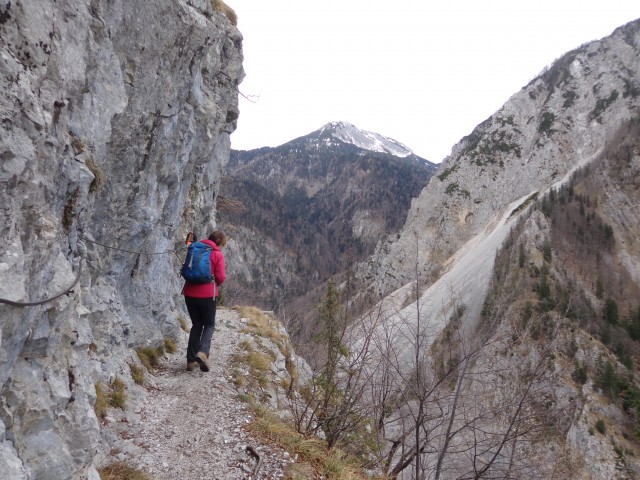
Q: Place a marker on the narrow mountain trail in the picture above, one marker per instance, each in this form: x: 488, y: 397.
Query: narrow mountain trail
x: 193, y: 424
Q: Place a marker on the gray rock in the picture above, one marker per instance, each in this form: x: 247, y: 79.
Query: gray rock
x: 555, y: 124
x: 116, y: 119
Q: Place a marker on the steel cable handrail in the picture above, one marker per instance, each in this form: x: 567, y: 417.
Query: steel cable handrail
x: 68, y: 291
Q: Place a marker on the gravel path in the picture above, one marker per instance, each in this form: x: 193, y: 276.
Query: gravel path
x: 193, y: 425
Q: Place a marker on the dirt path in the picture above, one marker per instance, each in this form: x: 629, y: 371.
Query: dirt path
x: 193, y: 425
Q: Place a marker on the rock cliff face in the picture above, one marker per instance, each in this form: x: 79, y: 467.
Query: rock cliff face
x: 115, y: 118
x: 561, y: 120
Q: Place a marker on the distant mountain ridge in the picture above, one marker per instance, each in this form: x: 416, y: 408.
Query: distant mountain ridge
x: 374, y: 142
x: 298, y: 161
x: 345, y: 132
x: 323, y: 201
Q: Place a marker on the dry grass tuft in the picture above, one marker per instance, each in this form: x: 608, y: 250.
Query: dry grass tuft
x: 137, y: 373
x: 238, y: 377
x: 118, y: 397
x: 264, y: 326
x: 253, y: 314
x: 113, y: 396
x: 150, y: 357
x: 102, y: 401
x: 258, y: 364
x: 170, y: 345
x: 337, y: 464
x: 314, y: 457
x: 122, y: 471
x: 220, y: 6
x: 258, y: 361
x: 183, y: 324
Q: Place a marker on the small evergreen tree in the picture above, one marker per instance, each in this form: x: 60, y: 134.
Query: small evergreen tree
x: 521, y: 256
x: 633, y: 325
x: 546, y: 251
x: 607, y: 380
x: 599, y: 288
x: 579, y: 374
x: 543, y: 287
x: 329, y: 393
x: 610, y: 311
x: 608, y: 233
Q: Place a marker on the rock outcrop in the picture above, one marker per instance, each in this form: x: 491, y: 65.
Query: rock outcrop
x: 116, y: 119
x: 561, y: 120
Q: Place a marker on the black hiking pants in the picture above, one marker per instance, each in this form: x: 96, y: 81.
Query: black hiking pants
x: 203, y: 318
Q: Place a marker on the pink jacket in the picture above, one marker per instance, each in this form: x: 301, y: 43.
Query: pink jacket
x: 208, y: 290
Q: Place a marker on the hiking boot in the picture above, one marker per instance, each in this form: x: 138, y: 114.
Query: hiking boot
x: 203, y: 360
x: 191, y: 366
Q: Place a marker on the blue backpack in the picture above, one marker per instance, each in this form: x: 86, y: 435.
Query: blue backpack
x: 197, y: 265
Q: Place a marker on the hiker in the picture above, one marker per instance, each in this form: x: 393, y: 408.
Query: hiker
x: 201, y: 305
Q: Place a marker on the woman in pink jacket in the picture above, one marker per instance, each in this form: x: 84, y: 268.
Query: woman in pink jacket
x: 201, y: 305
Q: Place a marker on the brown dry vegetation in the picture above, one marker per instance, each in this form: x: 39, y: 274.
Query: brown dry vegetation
x: 122, y: 471
x: 220, y: 6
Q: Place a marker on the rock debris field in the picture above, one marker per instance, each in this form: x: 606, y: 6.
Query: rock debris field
x: 193, y: 424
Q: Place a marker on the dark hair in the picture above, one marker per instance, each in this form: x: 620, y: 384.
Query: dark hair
x: 218, y: 238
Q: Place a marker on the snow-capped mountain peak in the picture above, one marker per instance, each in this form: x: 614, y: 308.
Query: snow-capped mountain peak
x: 347, y: 133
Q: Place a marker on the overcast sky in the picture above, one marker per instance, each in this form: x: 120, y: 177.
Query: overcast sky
x: 422, y: 72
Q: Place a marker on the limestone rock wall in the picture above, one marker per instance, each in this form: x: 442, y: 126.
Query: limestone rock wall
x: 576, y: 114
x: 115, y: 119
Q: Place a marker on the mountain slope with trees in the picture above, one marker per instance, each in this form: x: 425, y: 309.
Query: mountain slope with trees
x: 505, y: 345
x: 318, y: 204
